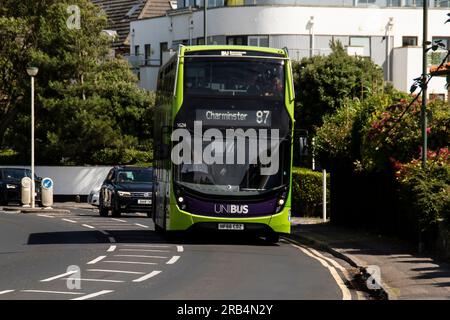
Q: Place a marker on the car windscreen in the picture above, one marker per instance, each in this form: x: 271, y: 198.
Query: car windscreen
x: 135, y: 176
x: 16, y: 174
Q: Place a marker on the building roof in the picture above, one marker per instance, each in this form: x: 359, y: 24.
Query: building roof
x: 121, y: 12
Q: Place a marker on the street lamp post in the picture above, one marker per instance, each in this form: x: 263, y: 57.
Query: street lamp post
x: 205, y: 21
x: 423, y: 111
x: 32, y: 72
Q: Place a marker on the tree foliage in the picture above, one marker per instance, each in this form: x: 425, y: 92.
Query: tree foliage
x: 324, y: 83
x: 89, y: 109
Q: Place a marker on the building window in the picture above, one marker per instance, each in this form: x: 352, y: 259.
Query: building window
x: 163, y: 47
x: 258, y: 41
x: 409, y: 41
x: 363, y: 42
x: 444, y: 40
x: 148, y: 54
x: 136, y: 51
x: 237, y: 40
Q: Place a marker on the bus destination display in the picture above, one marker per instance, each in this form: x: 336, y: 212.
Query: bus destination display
x: 246, y: 118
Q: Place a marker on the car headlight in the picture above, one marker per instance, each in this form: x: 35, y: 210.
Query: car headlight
x: 11, y: 186
x: 124, y: 193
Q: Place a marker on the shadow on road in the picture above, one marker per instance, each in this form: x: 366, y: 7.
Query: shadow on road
x: 146, y: 236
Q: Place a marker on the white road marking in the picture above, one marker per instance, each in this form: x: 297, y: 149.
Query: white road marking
x: 139, y: 256
x: 130, y: 262
x: 120, y: 220
x: 111, y: 248
x: 104, y: 232
x: 93, y: 295
x: 141, y: 225
x: 333, y: 262
x: 88, y: 226
x: 112, y: 240
x: 180, y: 248
x: 144, y: 250
x: 145, y: 245
x: 44, y: 215
x: 173, y: 260
x: 57, y: 292
x: 115, y: 271
x: 147, y: 276
x: 59, y: 276
x: 96, y: 260
x: 93, y: 280
x: 68, y: 220
x: 6, y: 291
x: 346, y: 295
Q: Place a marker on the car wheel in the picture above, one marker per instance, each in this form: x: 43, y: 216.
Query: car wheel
x: 102, y: 210
x: 116, y: 210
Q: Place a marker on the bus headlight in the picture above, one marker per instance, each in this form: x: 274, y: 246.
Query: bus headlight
x: 281, y: 200
x: 180, y: 199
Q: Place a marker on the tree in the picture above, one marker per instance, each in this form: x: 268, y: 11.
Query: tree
x: 89, y: 108
x: 323, y: 83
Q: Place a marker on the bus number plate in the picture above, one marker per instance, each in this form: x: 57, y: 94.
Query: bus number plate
x: 231, y: 226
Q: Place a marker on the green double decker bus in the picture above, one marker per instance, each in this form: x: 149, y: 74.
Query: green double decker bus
x: 223, y: 141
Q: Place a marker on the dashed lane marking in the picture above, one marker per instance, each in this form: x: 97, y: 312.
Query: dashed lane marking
x: 44, y: 215
x: 59, y: 276
x: 68, y: 220
x: 139, y: 256
x: 173, y: 260
x: 104, y: 232
x: 145, y: 245
x: 111, y: 248
x: 112, y: 240
x: 129, y: 262
x: 6, y: 291
x: 93, y: 295
x: 180, y: 248
x: 93, y: 280
x: 57, y: 292
x: 115, y: 271
x: 144, y: 250
x: 96, y: 260
x: 88, y: 226
x: 120, y: 220
x: 147, y: 276
x: 141, y: 225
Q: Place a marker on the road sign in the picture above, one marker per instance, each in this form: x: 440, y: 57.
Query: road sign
x: 47, y: 183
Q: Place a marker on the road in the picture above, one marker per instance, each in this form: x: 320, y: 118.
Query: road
x: 83, y: 256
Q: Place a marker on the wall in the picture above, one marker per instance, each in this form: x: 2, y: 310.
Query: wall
x: 407, y: 65
x: 72, y: 180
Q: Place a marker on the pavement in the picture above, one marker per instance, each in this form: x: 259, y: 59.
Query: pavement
x: 84, y: 256
x: 404, y: 274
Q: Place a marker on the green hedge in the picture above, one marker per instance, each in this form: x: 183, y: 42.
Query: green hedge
x: 307, y: 192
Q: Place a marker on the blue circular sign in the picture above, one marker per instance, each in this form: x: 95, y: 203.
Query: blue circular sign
x: 47, y: 183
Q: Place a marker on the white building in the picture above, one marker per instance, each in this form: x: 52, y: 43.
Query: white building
x: 387, y: 31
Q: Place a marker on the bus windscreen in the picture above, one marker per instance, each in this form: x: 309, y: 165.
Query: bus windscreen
x: 233, y: 77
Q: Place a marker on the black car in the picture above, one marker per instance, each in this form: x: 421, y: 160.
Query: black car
x: 10, y: 185
x: 126, y: 189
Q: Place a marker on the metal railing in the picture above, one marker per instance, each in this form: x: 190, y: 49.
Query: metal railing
x: 137, y: 61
